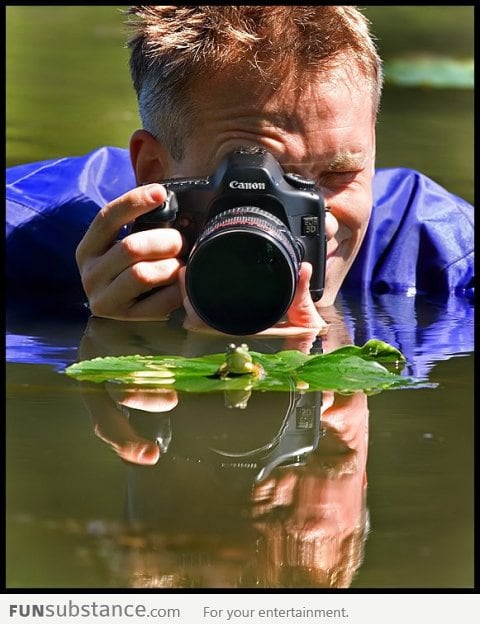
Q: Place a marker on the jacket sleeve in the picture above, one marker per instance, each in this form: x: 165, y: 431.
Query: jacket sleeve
x: 420, y: 239
x: 49, y: 206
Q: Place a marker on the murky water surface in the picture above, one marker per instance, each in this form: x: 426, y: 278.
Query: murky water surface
x: 385, y: 498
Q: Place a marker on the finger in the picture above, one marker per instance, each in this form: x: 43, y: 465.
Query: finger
x: 302, y: 311
x: 126, y: 443
x: 152, y: 400
x: 108, y: 222
x: 298, y: 335
x: 113, y: 428
x: 155, y: 307
x: 141, y: 278
x: 141, y: 452
x: 113, y: 291
x: 156, y: 244
x: 119, y: 296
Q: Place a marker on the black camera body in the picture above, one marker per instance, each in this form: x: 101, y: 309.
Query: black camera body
x: 249, y: 226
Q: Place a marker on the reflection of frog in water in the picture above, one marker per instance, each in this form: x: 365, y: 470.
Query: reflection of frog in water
x: 238, y: 361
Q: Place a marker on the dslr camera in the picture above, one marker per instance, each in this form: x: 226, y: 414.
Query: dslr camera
x: 248, y: 227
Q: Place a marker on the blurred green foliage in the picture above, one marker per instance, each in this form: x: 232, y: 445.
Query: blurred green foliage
x: 406, y: 30
x: 68, y: 88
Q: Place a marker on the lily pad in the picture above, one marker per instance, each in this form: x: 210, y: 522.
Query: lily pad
x: 374, y: 367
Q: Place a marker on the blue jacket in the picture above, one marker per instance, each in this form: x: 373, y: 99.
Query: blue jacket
x: 419, y: 241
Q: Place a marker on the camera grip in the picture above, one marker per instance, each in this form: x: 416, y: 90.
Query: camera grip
x: 317, y: 281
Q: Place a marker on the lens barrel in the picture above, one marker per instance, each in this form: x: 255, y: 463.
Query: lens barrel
x: 243, y: 270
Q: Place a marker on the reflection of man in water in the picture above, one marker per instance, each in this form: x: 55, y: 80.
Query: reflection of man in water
x: 313, y: 519
x: 201, y: 523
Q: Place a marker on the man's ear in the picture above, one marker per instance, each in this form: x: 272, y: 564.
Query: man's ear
x: 150, y: 159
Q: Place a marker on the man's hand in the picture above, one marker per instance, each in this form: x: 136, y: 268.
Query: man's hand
x: 302, y: 312
x: 115, y: 273
x: 112, y: 425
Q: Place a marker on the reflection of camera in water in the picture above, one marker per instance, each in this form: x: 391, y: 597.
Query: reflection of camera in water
x: 250, y: 226
x: 275, y: 429
x: 298, y: 436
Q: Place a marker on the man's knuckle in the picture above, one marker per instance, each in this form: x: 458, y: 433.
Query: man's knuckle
x: 88, y: 279
x: 144, y: 273
x: 131, y: 248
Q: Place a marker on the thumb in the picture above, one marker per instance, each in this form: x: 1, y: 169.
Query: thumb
x: 302, y: 311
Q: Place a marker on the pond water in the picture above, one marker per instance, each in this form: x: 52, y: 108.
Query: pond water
x: 372, y: 492
x: 217, y: 509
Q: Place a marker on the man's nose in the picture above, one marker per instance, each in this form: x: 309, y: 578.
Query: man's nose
x: 331, y: 225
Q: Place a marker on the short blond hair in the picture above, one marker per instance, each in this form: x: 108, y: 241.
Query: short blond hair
x: 173, y: 46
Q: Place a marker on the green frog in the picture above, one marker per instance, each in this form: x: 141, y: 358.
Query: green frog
x: 238, y: 361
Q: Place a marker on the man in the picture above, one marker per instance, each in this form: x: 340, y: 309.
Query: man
x: 304, y: 82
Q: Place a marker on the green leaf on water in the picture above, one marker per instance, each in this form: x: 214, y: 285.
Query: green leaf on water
x: 374, y: 367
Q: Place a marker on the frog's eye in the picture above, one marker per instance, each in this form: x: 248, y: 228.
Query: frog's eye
x: 244, y: 346
x: 231, y: 347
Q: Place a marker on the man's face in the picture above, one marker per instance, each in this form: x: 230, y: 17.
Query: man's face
x: 324, y: 130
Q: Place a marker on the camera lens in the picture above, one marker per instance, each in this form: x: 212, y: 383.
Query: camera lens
x: 242, y: 273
